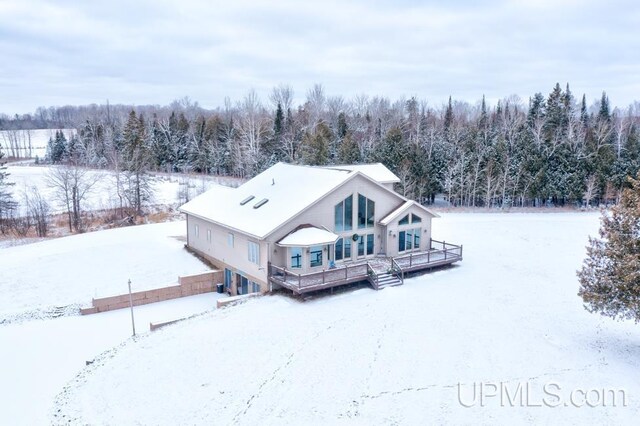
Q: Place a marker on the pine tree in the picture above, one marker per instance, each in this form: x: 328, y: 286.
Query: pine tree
x: 610, y: 276
x: 137, y: 159
x: 7, y: 204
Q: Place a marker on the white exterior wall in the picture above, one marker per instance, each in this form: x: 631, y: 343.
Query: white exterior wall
x: 322, y: 215
x: 235, y: 258
x: 395, y: 228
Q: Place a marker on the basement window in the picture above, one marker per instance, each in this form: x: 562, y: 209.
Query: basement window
x: 246, y: 200
x: 261, y: 203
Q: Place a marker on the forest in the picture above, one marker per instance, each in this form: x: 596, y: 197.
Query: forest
x: 551, y: 150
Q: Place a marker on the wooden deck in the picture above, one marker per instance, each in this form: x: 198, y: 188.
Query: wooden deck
x: 441, y: 254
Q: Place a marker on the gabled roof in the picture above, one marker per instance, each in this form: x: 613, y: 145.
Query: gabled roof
x: 288, y: 190
x: 376, y: 171
x: 306, y: 236
x: 403, y: 208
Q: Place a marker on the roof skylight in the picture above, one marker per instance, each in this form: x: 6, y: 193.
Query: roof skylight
x: 261, y: 203
x: 246, y: 200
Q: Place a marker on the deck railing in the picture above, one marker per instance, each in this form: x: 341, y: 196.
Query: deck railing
x: 441, y: 253
x: 317, y: 280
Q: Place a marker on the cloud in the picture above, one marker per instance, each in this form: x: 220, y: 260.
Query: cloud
x: 75, y: 52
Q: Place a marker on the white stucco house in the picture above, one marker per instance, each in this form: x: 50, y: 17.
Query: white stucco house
x: 309, y: 228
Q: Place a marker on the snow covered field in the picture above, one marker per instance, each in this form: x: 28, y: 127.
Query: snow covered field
x: 18, y: 141
x: 507, y: 314
x: 166, y: 187
x: 71, y: 270
x: 39, y: 357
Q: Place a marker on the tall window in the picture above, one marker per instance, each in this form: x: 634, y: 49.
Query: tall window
x: 369, y: 244
x: 209, y: 235
x: 339, y: 249
x: 365, y: 244
x: 409, y: 239
x: 315, y: 256
x: 254, y: 252
x: 343, y: 249
x: 366, y: 212
x: 230, y: 239
x: 296, y: 257
x: 228, y: 276
x: 347, y: 248
x: 343, y: 213
x: 197, y: 231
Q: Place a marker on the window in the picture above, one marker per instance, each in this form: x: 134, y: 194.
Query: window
x: 343, y: 214
x: 409, y: 239
x: 361, y: 245
x: 414, y: 219
x: 296, y: 257
x: 371, y: 211
x: 255, y: 287
x: 347, y: 248
x: 243, y: 284
x: 254, y: 253
x: 228, y: 276
x: 197, y: 231
x: 369, y: 244
x: 209, y: 235
x: 366, y: 212
x: 230, y: 239
x: 315, y: 256
x: 339, y: 249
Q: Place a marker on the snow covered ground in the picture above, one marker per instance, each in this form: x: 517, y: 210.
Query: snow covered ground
x: 103, y: 195
x: 507, y: 315
x: 37, y: 139
x: 35, y: 278
x: 39, y: 357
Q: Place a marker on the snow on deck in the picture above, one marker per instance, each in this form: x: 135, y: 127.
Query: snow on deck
x: 508, y: 314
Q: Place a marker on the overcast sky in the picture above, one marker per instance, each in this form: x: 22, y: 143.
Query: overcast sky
x: 152, y: 52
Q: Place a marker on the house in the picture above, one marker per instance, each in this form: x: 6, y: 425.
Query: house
x: 308, y: 228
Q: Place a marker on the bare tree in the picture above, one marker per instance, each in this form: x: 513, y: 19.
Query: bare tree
x: 38, y: 209
x: 72, y: 184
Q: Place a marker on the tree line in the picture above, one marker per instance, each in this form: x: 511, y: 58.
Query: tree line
x: 550, y: 150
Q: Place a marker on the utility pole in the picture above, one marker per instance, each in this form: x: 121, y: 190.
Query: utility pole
x: 133, y: 324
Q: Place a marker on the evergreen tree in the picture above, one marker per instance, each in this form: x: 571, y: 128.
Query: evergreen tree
x: 7, y: 204
x: 136, y: 159
x: 57, y: 147
x: 610, y: 275
x: 316, y: 145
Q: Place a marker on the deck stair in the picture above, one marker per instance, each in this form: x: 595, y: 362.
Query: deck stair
x: 387, y: 280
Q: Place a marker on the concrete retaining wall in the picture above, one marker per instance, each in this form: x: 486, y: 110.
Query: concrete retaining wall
x: 187, y: 286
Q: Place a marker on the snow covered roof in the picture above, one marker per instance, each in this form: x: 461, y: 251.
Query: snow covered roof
x: 376, y: 171
x: 308, y: 236
x: 264, y: 203
x: 403, y: 208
